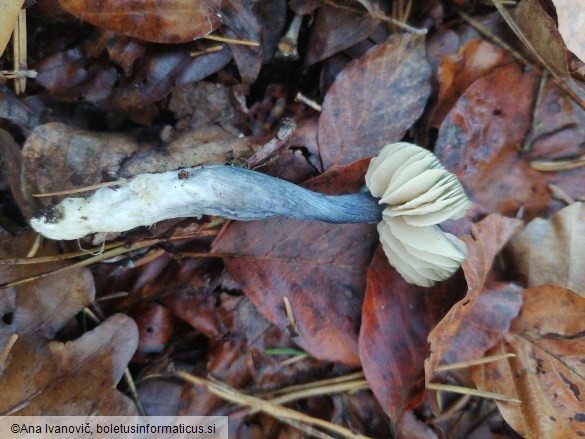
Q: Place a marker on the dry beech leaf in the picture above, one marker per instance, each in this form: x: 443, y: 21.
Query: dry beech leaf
x: 548, y: 372
x: 571, y: 18
x: 478, y: 321
x: 158, y: 21
x: 540, y: 29
x: 42, y: 306
x: 75, y: 74
x: 73, y: 378
x: 458, y: 71
x: 11, y: 159
x: 334, y: 30
x: 548, y: 251
x: 320, y: 268
x: 374, y: 100
x: 241, y: 23
x: 482, y: 140
x: 396, y: 320
x: 57, y: 157
x: 557, y: 133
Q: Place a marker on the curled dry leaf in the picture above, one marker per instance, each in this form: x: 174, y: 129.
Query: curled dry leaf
x: 74, y: 378
x: 541, y: 31
x: 374, y: 100
x: 563, y: 237
x: 547, y: 373
x: 58, y: 157
x: 478, y: 321
x: 158, y: 21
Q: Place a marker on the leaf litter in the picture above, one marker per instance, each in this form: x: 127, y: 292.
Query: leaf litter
x: 270, y: 305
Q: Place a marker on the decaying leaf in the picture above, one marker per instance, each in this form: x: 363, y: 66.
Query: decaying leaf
x: 482, y: 138
x: 457, y: 72
x: 549, y: 251
x: 167, y: 21
x: 478, y: 321
x: 43, y: 306
x: 336, y: 29
x: 374, y: 100
x: 396, y: 320
x: 547, y: 373
x: 540, y: 29
x: 74, y: 378
x: 58, y: 157
x: 319, y: 268
x: 241, y: 23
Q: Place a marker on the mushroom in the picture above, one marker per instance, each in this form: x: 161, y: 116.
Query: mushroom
x: 411, y: 192
x: 418, y: 193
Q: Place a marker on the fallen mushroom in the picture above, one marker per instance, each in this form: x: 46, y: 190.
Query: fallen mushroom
x: 418, y: 193
x: 415, y: 193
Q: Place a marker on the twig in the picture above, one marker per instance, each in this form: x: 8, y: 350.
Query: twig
x: 231, y: 40
x: 309, y: 102
x: 275, y: 410
x: 470, y: 363
x: 19, y: 51
x: 285, y: 130
x: 469, y: 391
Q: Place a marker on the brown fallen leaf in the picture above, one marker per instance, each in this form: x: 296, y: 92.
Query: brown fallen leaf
x: 238, y: 347
x: 482, y: 140
x: 240, y: 23
x: 396, y: 320
x: 557, y: 130
x: 571, y: 20
x: 548, y: 251
x: 73, y: 378
x: 57, y: 157
x: 548, y: 372
x: 336, y: 29
x: 374, y: 100
x: 80, y: 74
x: 166, y: 21
x: 319, y: 268
x: 540, y: 29
x: 43, y: 306
x: 478, y: 321
x: 458, y: 71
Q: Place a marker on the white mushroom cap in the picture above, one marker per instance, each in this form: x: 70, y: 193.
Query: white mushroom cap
x: 422, y: 255
x: 414, y: 184
x: 419, y: 193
